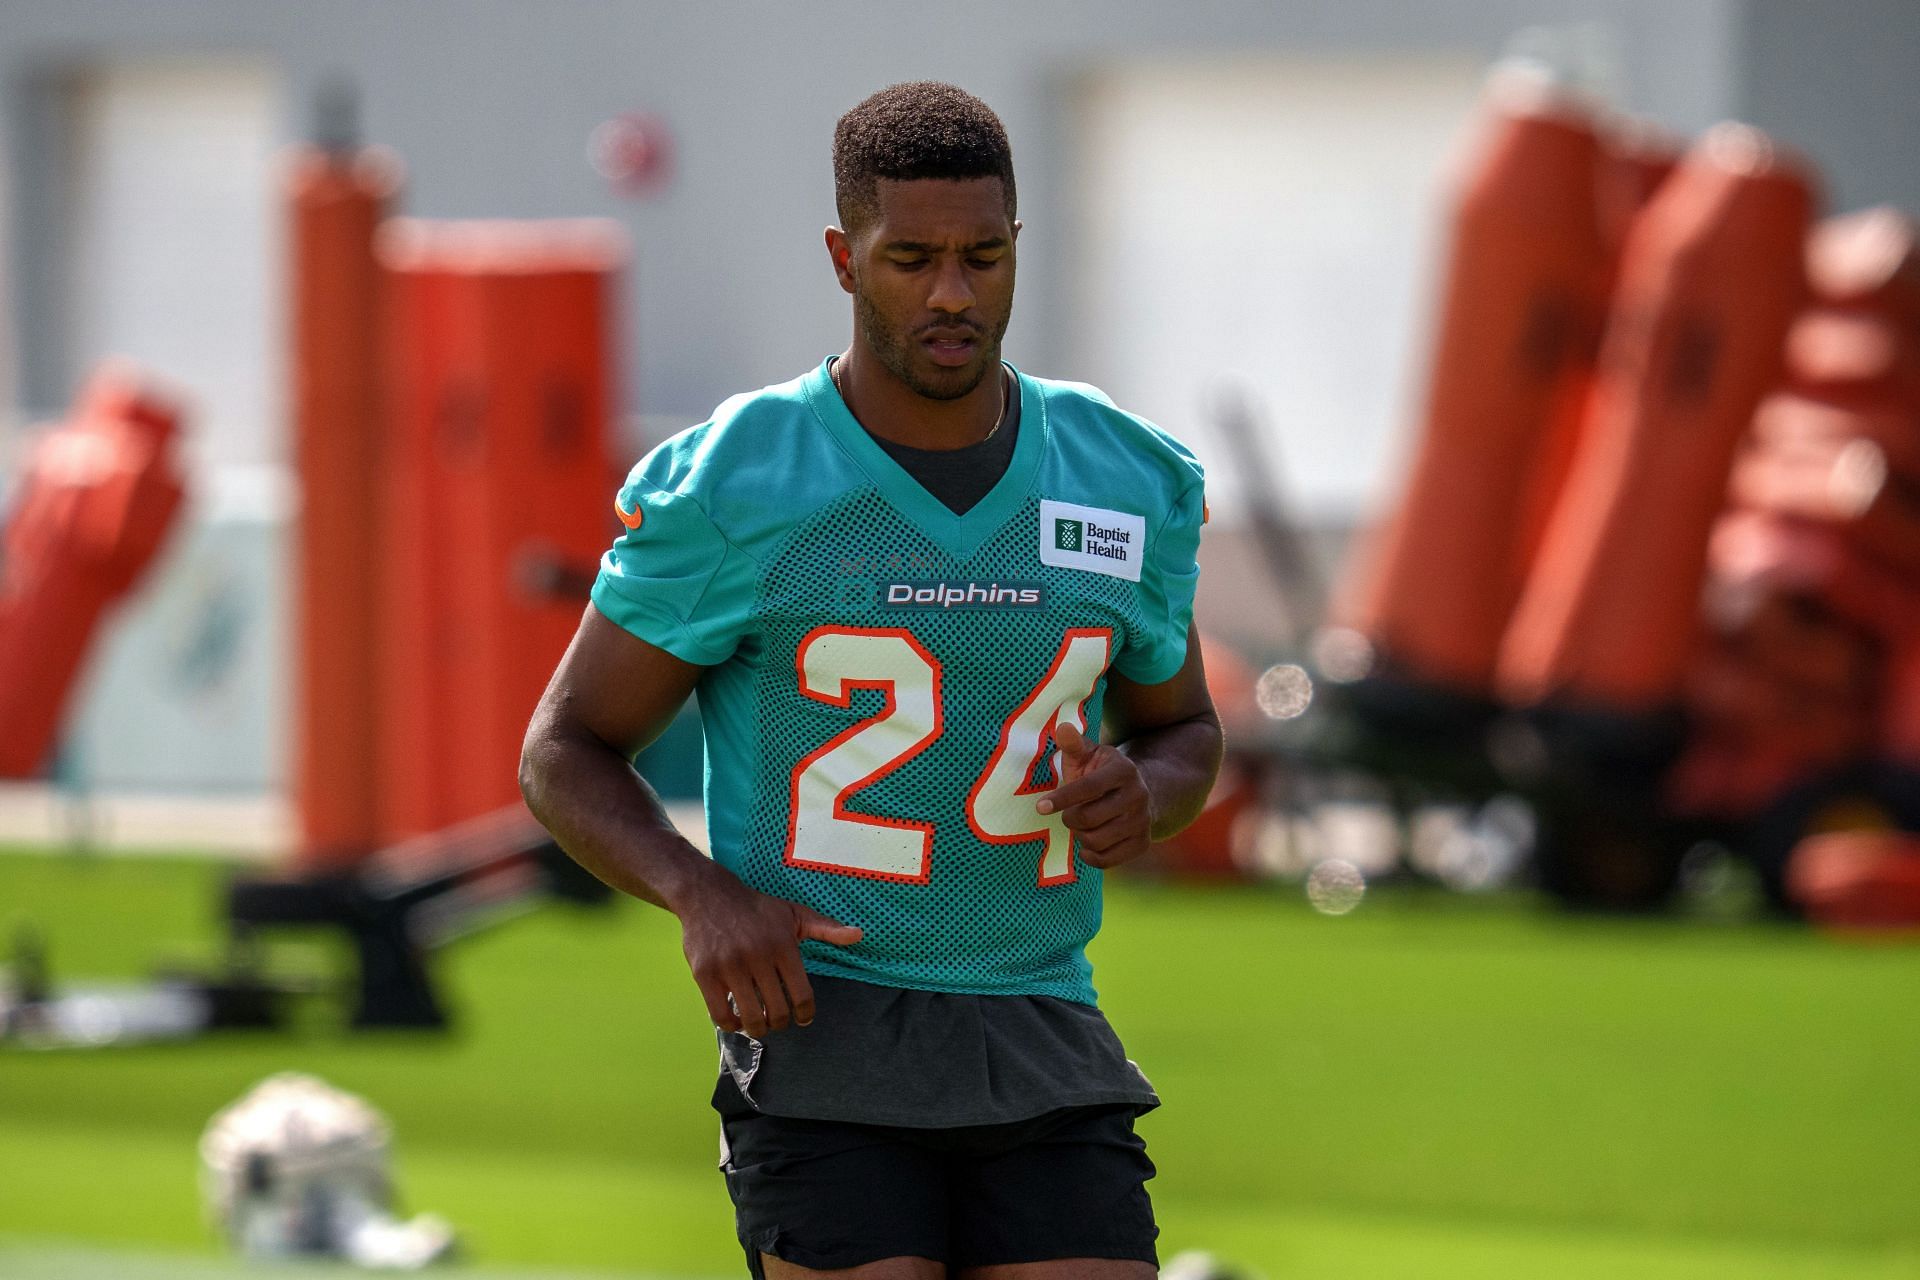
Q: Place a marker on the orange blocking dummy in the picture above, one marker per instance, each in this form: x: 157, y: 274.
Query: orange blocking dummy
x: 335, y: 202
x: 1525, y: 281
x: 1815, y: 573
x: 98, y: 498
x: 1710, y: 279
x: 1633, y: 167
x: 497, y: 481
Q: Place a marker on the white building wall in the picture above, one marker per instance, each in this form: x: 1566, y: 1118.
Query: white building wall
x: 1264, y: 223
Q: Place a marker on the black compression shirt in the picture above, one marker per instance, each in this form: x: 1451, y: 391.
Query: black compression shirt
x: 961, y: 477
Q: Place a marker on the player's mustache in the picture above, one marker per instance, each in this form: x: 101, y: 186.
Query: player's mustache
x: 952, y: 329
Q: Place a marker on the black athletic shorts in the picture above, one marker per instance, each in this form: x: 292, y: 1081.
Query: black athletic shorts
x: 826, y: 1195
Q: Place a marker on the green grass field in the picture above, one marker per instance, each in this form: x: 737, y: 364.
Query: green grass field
x: 1432, y: 1086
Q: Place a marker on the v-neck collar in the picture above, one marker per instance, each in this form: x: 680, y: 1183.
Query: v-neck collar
x: 961, y: 535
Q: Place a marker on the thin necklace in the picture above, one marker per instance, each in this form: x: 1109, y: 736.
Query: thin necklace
x: 833, y: 373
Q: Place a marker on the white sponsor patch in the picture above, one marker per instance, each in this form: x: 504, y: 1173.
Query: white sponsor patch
x: 1092, y: 538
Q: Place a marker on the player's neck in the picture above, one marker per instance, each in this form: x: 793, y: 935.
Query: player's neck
x: 890, y: 409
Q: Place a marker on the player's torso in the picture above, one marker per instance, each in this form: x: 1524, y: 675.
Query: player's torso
x: 896, y: 695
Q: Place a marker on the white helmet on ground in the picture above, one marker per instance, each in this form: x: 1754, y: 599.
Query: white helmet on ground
x: 297, y: 1167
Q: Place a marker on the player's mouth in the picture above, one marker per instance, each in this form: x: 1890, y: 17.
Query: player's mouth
x: 950, y: 349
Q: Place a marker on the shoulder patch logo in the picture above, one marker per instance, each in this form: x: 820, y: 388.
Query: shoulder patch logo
x: 632, y: 519
x: 1092, y: 538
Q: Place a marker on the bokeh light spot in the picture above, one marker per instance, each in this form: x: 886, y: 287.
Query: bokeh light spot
x: 1342, y: 654
x: 1335, y: 887
x: 1284, y: 691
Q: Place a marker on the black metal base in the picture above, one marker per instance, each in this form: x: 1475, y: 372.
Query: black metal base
x: 405, y: 901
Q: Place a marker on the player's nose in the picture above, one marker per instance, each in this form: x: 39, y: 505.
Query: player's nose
x: 952, y: 292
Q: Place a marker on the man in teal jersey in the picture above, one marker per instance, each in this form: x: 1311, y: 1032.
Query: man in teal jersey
x: 938, y: 614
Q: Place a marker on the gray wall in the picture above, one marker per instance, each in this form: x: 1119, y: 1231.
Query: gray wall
x: 1840, y: 82
x: 491, y: 103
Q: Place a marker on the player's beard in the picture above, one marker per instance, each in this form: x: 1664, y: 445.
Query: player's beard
x: 896, y: 350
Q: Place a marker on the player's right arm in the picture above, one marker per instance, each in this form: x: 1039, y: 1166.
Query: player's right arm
x: 612, y: 694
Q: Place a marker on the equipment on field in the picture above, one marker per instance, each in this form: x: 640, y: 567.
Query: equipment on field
x: 451, y: 406
x: 496, y: 474
x: 99, y: 497
x: 1601, y: 641
x: 1804, y: 724
x: 1709, y: 282
x: 300, y: 1169
x: 38, y: 1013
x: 451, y: 398
x: 336, y: 194
x: 1523, y: 623
x: 1527, y: 270
x: 395, y: 910
x: 399, y: 905
x: 1718, y: 639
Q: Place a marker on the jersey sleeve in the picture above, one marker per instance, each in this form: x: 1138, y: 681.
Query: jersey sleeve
x: 672, y: 578
x: 1157, y: 650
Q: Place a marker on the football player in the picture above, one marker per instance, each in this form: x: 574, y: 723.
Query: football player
x: 937, y: 612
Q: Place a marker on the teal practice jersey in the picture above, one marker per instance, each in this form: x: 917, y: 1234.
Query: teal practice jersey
x: 884, y: 676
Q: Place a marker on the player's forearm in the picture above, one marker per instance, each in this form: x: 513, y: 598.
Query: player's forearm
x: 608, y: 819
x: 1178, y: 763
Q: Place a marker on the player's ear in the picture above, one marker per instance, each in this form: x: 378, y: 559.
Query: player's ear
x: 840, y: 250
x: 1017, y: 224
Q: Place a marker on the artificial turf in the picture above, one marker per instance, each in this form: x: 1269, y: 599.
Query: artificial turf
x: 1430, y: 1086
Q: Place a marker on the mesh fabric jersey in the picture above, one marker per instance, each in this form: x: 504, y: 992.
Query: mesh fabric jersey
x: 884, y: 675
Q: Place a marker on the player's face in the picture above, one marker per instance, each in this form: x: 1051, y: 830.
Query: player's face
x: 932, y: 282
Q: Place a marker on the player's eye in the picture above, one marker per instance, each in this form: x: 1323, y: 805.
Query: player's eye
x: 982, y: 264
x: 908, y: 264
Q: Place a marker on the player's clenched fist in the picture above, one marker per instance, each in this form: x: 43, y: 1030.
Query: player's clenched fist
x: 1102, y: 798
x: 746, y: 945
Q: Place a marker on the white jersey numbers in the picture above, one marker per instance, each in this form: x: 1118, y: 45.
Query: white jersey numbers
x: 832, y: 663
x: 1001, y: 806
x: 824, y: 835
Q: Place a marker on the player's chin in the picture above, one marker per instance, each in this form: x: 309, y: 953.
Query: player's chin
x: 943, y: 382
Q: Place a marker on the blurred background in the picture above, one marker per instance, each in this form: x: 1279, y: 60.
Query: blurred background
x: 1561, y: 596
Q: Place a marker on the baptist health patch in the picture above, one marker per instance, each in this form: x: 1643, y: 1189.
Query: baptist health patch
x: 1092, y: 538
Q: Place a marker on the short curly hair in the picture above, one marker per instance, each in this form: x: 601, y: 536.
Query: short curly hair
x: 921, y: 129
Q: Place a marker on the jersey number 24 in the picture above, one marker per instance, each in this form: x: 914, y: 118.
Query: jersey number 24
x: 824, y: 835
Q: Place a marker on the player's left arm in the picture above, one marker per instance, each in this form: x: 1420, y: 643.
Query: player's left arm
x: 1154, y: 775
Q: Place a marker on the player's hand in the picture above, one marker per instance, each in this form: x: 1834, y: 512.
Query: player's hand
x: 746, y: 945
x: 1102, y: 798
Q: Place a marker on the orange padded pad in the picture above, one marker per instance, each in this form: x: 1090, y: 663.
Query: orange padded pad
x: 1856, y: 352
x: 1525, y: 282
x: 1869, y: 258
x: 500, y: 346
x: 97, y: 500
x: 335, y: 203
x: 1758, y: 552
x: 1710, y: 280
x: 1848, y: 487
x: 1821, y: 425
